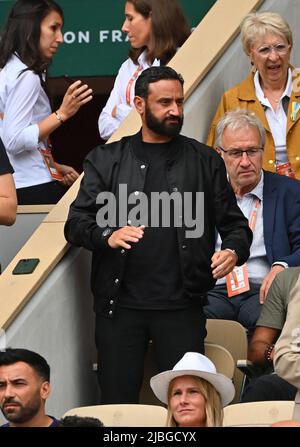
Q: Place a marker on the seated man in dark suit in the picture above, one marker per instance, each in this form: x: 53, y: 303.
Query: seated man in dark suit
x: 271, y: 202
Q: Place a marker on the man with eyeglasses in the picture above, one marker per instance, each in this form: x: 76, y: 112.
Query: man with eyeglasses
x: 271, y: 202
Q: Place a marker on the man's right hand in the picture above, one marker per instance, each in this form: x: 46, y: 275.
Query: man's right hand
x: 223, y: 262
x: 121, y: 237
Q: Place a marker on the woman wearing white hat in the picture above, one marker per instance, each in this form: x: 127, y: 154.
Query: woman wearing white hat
x: 194, y: 391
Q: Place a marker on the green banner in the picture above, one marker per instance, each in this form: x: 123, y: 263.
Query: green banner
x: 94, y: 44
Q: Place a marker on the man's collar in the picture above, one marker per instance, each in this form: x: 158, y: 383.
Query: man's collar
x: 257, y: 191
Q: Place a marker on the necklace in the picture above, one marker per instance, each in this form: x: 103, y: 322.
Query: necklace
x: 270, y: 97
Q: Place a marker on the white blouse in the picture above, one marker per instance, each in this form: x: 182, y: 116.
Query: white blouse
x: 107, y: 123
x: 23, y: 103
x: 277, y: 119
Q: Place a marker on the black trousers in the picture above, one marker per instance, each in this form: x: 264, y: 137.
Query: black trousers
x: 268, y: 387
x: 45, y: 193
x: 123, y: 341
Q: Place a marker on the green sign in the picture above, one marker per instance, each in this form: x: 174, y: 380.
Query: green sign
x: 94, y: 44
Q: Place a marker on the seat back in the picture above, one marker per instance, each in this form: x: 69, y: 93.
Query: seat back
x: 232, y: 336
x: 137, y: 415
x: 257, y: 413
x: 124, y: 415
x: 221, y: 358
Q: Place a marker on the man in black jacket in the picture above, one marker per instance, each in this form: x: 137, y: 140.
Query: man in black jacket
x: 147, y: 208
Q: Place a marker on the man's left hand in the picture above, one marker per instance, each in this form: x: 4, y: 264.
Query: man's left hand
x: 223, y: 262
x: 268, y: 281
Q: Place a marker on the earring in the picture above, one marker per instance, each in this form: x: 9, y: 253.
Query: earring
x: 253, y: 68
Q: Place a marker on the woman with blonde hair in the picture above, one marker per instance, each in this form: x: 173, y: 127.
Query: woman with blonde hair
x: 271, y: 91
x: 194, y: 392
x: 155, y: 28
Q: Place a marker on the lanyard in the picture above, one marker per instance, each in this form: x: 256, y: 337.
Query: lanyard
x: 49, y: 161
x: 237, y: 281
x: 253, y: 217
x: 129, y: 85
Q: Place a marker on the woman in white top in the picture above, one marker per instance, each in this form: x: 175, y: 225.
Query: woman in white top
x: 30, y: 38
x: 155, y: 28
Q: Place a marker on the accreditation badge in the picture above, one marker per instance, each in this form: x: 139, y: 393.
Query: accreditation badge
x: 50, y: 163
x: 237, y: 281
x: 286, y: 169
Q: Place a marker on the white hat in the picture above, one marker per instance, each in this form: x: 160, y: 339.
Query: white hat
x: 193, y: 364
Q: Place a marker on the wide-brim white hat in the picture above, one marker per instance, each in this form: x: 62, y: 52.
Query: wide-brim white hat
x: 193, y: 364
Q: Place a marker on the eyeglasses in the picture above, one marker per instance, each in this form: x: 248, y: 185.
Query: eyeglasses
x: 238, y: 153
x: 279, y: 48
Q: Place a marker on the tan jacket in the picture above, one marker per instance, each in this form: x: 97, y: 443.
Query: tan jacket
x: 287, y: 348
x: 243, y: 96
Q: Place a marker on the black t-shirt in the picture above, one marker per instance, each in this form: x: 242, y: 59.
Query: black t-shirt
x: 152, y: 279
x: 5, y: 166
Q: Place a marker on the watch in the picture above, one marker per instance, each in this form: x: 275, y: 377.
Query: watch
x: 107, y: 233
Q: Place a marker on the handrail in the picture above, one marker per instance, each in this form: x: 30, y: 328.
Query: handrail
x: 215, y: 32
x: 34, y: 209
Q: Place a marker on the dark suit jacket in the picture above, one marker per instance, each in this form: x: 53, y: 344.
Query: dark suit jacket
x: 281, y: 217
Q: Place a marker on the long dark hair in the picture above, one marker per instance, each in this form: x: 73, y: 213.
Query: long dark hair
x: 22, y: 30
x: 169, y: 29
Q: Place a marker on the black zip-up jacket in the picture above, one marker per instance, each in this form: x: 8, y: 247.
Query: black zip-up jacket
x: 197, y: 168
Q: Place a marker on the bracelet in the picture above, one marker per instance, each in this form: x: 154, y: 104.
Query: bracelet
x: 268, y: 352
x: 58, y: 116
x: 231, y: 251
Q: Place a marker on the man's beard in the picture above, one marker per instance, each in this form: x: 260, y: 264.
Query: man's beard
x: 163, y: 127
x: 22, y: 414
